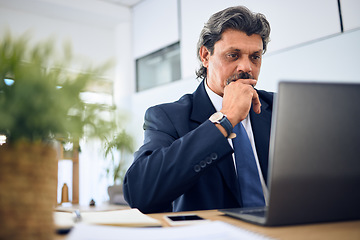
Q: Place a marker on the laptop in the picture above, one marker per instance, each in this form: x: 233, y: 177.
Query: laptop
x: 314, y: 157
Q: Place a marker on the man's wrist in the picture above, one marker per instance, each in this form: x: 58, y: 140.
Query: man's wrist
x: 220, y: 119
x: 221, y: 129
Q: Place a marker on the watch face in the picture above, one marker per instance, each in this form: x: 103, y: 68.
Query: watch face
x: 216, y: 116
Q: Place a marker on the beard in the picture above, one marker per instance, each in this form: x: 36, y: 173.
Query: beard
x: 236, y: 76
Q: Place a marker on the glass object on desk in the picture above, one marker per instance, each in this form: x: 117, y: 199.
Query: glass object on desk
x: 65, y: 171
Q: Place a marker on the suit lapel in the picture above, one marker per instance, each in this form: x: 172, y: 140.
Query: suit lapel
x: 202, y: 106
x: 202, y: 110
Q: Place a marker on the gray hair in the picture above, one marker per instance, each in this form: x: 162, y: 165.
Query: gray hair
x: 238, y: 18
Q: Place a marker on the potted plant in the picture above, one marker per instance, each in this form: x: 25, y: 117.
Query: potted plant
x: 123, y: 143
x: 39, y: 102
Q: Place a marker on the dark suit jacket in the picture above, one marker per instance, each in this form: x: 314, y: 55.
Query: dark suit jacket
x: 186, y: 163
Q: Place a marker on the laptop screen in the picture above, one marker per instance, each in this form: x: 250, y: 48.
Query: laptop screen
x: 315, y: 153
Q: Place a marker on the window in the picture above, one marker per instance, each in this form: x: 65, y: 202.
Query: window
x: 158, y: 68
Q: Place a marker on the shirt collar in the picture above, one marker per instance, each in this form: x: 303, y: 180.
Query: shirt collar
x: 215, y: 99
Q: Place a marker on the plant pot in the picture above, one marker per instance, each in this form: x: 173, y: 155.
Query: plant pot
x: 116, y: 195
x: 28, y: 179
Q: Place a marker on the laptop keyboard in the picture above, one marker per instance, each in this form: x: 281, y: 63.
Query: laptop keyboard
x: 255, y: 212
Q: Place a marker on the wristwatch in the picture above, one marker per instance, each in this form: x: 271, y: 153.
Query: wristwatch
x: 221, y: 119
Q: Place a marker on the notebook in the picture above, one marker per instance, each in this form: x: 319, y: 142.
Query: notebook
x: 65, y: 220
x: 314, y: 159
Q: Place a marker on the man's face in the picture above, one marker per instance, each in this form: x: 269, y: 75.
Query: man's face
x: 234, y: 53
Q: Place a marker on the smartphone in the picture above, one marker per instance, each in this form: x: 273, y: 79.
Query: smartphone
x: 184, y: 219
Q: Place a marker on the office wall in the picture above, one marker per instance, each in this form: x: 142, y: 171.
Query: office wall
x: 350, y: 14
x: 306, y: 44
x: 94, y: 44
x: 155, y: 25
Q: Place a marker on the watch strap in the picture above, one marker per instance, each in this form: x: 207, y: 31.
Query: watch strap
x: 226, y: 124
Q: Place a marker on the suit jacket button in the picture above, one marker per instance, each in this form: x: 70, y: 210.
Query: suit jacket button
x: 213, y: 156
x: 208, y: 160
x: 197, y: 168
x: 203, y: 164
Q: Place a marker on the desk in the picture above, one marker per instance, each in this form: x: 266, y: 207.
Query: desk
x: 336, y: 230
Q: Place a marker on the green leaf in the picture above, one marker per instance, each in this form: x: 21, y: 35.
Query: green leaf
x: 44, y: 101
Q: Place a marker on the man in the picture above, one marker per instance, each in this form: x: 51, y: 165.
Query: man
x: 186, y: 162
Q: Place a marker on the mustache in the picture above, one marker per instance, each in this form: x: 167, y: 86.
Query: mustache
x: 241, y: 75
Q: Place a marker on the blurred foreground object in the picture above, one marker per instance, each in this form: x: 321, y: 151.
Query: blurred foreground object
x: 39, y: 103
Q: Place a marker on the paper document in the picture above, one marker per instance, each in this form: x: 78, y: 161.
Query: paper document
x: 128, y: 218
x: 215, y: 230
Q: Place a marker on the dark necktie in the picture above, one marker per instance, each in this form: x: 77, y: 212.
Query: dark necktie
x: 248, y: 175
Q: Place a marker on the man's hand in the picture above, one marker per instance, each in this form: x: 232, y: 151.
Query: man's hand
x: 237, y: 99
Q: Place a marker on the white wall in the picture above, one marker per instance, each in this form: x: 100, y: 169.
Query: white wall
x: 93, y: 43
x: 350, y: 14
x: 155, y: 25
x: 330, y: 60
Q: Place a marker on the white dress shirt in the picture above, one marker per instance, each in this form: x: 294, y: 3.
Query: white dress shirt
x: 216, y: 100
